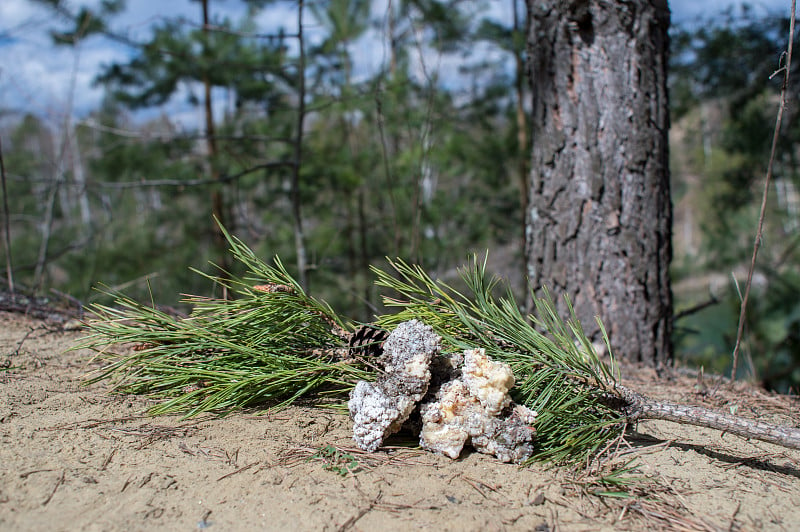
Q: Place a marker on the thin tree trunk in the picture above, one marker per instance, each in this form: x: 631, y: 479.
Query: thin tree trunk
x: 47, y: 227
x: 297, y: 214
x: 80, y: 178
x: 363, y: 228
x: 392, y: 41
x: 599, y: 216
x: 350, y: 237
x: 522, y: 130
x: 217, y: 200
x: 6, y: 225
x: 387, y: 170
x: 357, y: 252
x: 58, y: 179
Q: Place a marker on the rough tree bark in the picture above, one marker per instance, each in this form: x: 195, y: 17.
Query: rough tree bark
x: 599, y: 216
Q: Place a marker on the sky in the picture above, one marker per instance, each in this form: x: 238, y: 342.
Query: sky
x: 53, y: 82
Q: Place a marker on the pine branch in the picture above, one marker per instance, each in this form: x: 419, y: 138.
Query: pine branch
x: 274, y: 344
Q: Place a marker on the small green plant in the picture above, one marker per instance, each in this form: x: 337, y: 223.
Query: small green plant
x: 333, y: 459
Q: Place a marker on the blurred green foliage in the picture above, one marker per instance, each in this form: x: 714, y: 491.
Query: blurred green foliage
x: 394, y: 163
x: 725, y: 82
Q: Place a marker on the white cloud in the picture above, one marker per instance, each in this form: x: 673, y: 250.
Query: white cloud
x: 14, y: 14
x: 40, y: 78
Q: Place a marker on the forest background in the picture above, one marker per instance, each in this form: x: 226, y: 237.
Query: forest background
x: 308, y: 152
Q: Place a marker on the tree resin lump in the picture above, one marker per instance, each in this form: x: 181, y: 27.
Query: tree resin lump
x: 471, y: 405
x: 379, y: 409
x: 477, y: 409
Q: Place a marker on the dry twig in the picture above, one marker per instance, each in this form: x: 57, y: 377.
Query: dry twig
x: 243, y: 468
x: 640, y: 407
x: 58, y: 483
x: 757, y: 243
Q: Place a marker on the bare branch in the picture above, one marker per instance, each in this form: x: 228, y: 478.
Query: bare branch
x: 194, y: 182
x: 696, y: 308
x: 130, y: 133
x: 245, y: 34
x: 757, y: 243
x: 640, y: 407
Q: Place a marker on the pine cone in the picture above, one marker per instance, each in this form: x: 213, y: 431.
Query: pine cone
x: 367, y: 341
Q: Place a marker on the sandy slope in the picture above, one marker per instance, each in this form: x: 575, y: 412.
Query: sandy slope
x: 77, y: 458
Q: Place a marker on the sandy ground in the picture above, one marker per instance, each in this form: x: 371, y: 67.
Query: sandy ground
x: 79, y: 458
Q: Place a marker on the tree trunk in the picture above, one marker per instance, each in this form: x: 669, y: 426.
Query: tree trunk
x: 599, y: 216
x: 217, y: 201
x: 80, y: 178
x: 6, y: 225
x: 522, y: 122
x: 297, y: 209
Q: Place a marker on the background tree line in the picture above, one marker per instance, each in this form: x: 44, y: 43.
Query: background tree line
x: 334, y: 169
